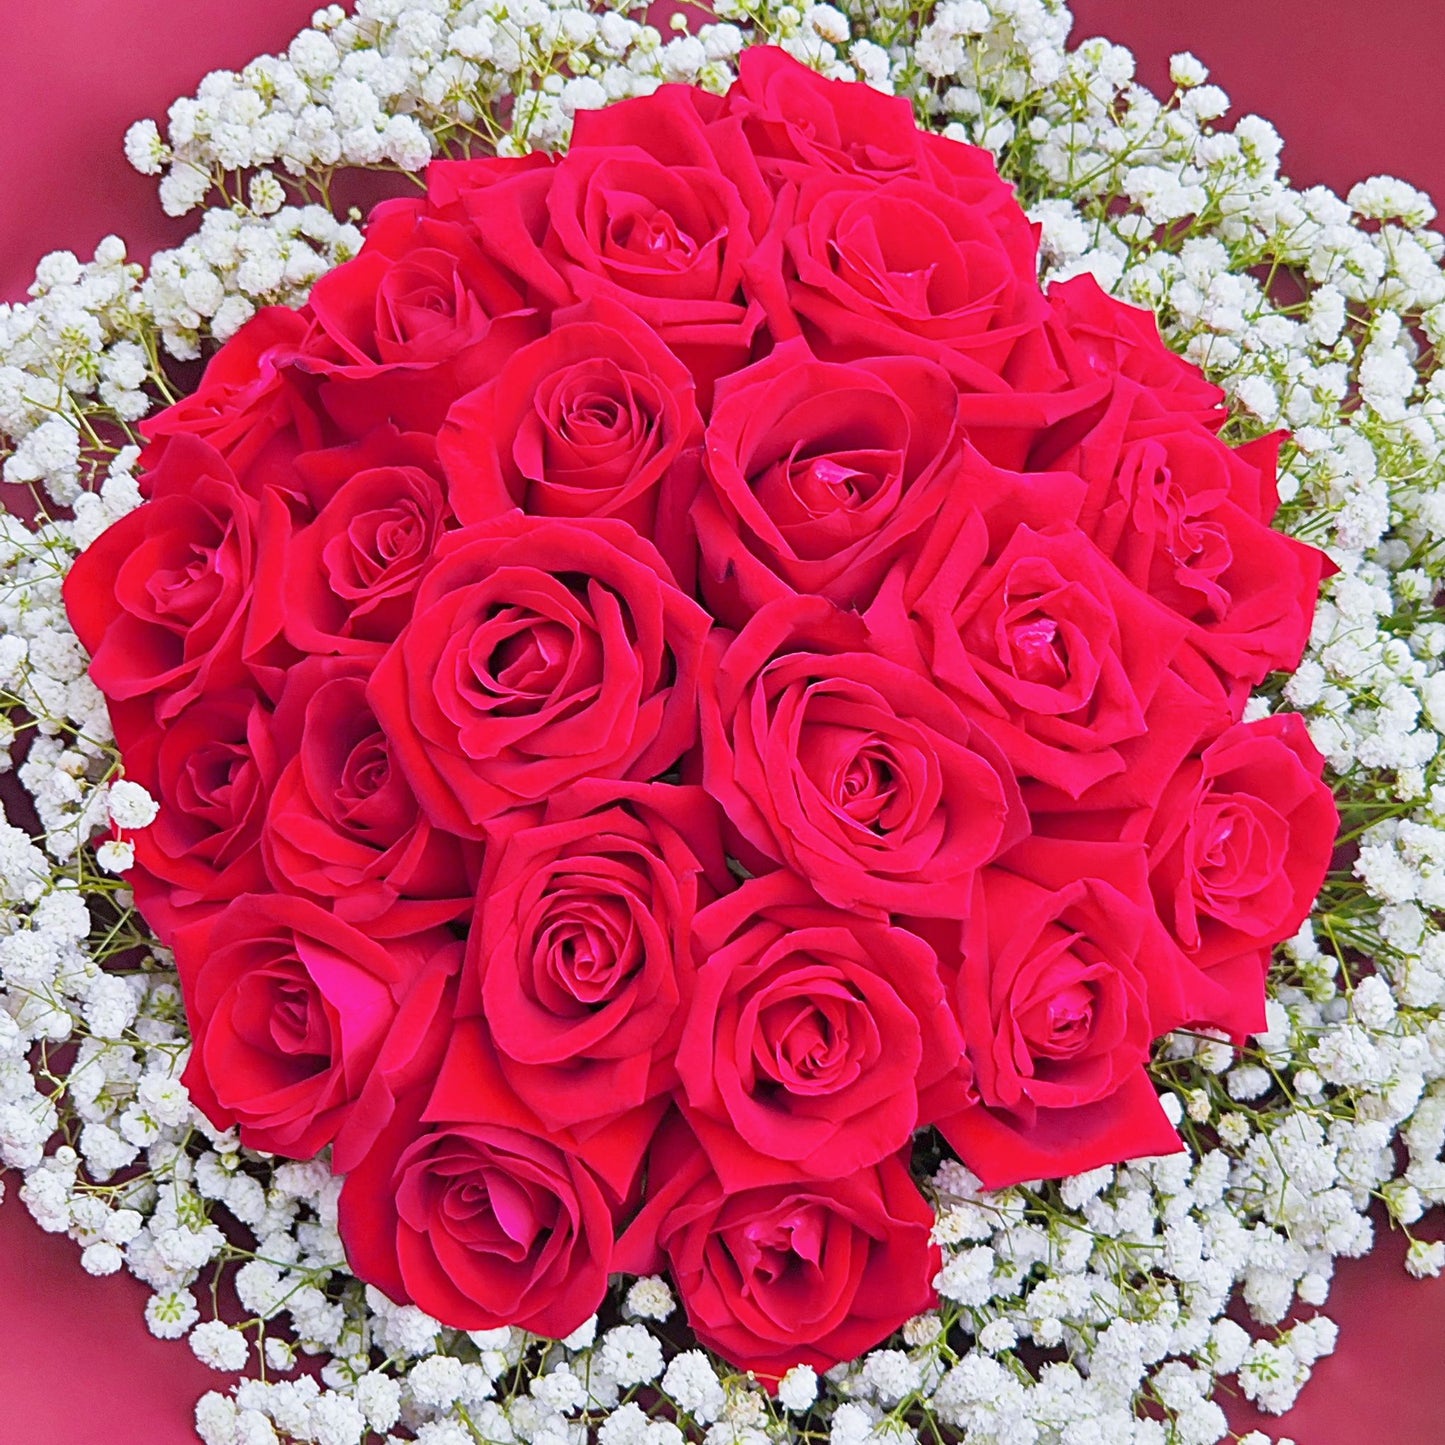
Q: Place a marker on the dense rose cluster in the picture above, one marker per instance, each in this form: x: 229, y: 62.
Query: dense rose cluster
x: 680, y: 667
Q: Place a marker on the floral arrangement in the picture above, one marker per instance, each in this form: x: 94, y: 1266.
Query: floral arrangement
x: 731, y: 734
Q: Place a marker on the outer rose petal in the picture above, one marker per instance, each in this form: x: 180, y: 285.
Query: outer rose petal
x: 1129, y: 1124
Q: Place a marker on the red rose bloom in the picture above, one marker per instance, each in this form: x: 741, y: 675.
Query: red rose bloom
x: 343, y: 579
x: 1062, y: 981
x: 480, y: 1225
x: 817, y: 474
x: 1075, y: 672
x: 856, y: 773
x: 210, y: 771
x: 596, y: 419
x: 812, y: 1035
x: 905, y: 267
x: 785, y: 1273
x: 1103, y: 336
x: 161, y: 598
x: 797, y: 123
x: 1239, y: 847
x: 580, y: 956
x: 305, y: 1030
x: 540, y: 652
x: 253, y: 406
x: 343, y: 826
x: 1185, y: 518
x: 468, y: 1209
x: 652, y: 207
x: 421, y: 316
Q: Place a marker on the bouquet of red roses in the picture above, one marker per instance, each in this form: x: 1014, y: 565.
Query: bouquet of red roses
x: 680, y: 667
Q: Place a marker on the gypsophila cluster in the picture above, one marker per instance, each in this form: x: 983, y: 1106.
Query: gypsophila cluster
x: 1318, y: 314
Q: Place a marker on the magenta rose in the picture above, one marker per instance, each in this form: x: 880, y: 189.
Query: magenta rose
x: 306, y: 1031
x: 814, y: 1036
x: 853, y: 771
x: 539, y: 652
x: 580, y: 955
x: 784, y: 1272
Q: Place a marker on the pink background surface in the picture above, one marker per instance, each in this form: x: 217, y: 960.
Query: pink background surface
x: 1354, y: 90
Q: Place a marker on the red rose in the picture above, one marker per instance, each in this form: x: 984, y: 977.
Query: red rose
x: 1185, y: 518
x: 1063, y: 980
x: 419, y: 317
x: 580, y: 956
x: 1073, y: 671
x: 817, y: 474
x: 858, y: 774
x: 540, y: 652
x: 211, y: 771
x: 650, y: 206
x: 797, y: 123
x: 597, y: 419
x: 906, y: 267
x: 470, y: 1211
x: 252, y: 405
x: 304, y: 1029
x: 785, y: 1273
x: 342, y: 560
x: 343, y: 826
x: 161, y: 598
x: 1238, y: 850
x: 1103, y: 336
x: 812, y: 1035
x: 485, y: 1226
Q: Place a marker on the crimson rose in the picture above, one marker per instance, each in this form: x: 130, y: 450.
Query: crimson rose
x: 305, y: 1030
x: 785, y: 1273
x: 1238, y: 850
x: 540, y: 652
x: 857, y: 773
x: 343, y: 826
x: 580, y: 956
x: 814, y: 1036
x: 1062, y: 979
